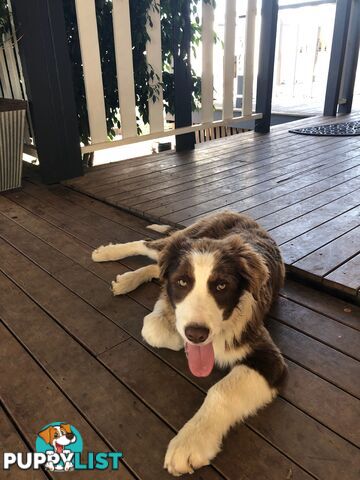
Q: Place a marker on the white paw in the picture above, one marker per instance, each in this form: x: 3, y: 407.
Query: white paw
x: 123, y: 284
x: 101, y: 254
x: 156, y: 332
x: 191, y: 449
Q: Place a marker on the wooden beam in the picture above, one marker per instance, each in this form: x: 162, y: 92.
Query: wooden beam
x: 49, y: 85
x: 336, y: 64
x: 269, y: 15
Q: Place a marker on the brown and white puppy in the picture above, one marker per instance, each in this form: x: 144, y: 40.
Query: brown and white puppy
x: 219, y: 279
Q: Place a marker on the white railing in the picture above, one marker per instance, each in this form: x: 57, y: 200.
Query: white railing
x: 89, y: 45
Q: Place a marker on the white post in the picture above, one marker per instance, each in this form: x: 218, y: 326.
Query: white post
x: 124, y: 67
x: 207, y: 77
x: 90, y: 54
x: 249, y: 58
x: 229, y: 59
x: 154, y: 60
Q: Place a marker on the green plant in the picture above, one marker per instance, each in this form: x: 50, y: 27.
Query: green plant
x: 4, y: 19
x: 140, y: 13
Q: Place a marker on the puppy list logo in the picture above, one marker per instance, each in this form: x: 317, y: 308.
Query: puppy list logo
x: 59, y: 446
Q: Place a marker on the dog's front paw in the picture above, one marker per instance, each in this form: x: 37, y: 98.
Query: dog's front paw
x: 124, y: 283
x: 101, y: 254
x: 157, y: 333
x: 189, y: 450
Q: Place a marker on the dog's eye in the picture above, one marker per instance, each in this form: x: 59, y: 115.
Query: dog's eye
x: 56, y: 435
x: 182, y: 282
x: 220, y: 287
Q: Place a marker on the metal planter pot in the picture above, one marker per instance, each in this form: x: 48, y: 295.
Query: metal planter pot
x: 12, y: 124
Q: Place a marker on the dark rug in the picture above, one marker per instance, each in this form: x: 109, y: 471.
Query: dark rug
x: 335, y: 130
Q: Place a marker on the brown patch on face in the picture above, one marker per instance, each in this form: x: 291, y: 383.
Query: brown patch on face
x: 226, y: 284
x: 176, y: 270
x: 240, y: 269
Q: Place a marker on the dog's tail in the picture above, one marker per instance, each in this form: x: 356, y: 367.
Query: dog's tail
x: 164, y: 229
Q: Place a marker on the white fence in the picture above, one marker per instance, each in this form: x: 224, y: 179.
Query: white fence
x: 89, y: 44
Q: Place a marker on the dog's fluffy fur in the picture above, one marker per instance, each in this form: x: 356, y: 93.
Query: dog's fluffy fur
x: 221, y: 273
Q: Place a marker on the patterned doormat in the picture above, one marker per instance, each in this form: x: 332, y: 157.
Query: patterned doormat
x: 335, y: 130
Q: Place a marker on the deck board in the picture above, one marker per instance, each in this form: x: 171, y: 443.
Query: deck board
x: 304, y: 189
x: 47, y: 234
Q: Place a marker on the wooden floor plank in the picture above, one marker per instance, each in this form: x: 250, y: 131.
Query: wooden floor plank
x: 183, y: 190
x: 134, y: 226
x: 86, y: 285
x: 277, y: 141
x: 316, y: 200
x: 78, y: 251
x: 346, y: 276
x: 124, y: 363
x: 34, y: 400
x: 326, y: 259
x: 335, y: 308
x: 27, y: 223
x: 11, y: 441
x: 76, y: 282
x: 121, y: 191
x: 96, y: 229
x: 304, y: 223
x: 321, y: 399
x: 235, y: 200
x: 337, y: 368
x: 263, y: 204
x: 241, y: 179
x: 321, y: 327
x: 181, y: 160
x: 290, y: 183
x: 143, y: 372
x: 126, y: 423
x: 77, y: 317
x: 308, y: 242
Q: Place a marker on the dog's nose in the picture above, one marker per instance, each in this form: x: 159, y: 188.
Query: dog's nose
x: 69, y: 436
x: 196, y: 333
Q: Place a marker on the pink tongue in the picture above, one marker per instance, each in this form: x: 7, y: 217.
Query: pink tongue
x: 200, y: 359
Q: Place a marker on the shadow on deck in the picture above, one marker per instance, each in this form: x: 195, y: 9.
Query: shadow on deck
x: 71, y: 351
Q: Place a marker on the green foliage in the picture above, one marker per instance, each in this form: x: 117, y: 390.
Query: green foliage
x: 4, y: 18
x: 140, y: 13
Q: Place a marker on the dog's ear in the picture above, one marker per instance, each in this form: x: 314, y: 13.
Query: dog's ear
x: 66, y: 427
x: 47, y: 434
x: 171, y: 255
x: 252, y: 267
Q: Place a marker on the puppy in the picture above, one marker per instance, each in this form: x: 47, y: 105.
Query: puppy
x: 58, y: 437
x: 219, y: 278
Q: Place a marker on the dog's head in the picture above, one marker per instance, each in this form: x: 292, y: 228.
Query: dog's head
x: 206, y: 280
x: 58, y: 436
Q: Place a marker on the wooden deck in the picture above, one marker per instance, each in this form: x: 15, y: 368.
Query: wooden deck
x: 71, y: 351
x: 305, y: 190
